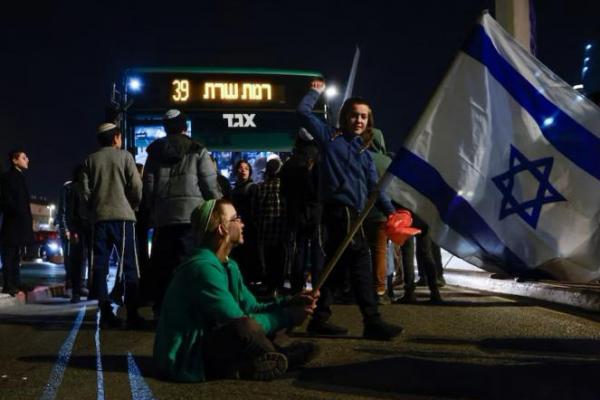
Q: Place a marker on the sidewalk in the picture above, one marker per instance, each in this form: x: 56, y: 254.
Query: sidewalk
x: 580, y: 295
x: 38, y: 294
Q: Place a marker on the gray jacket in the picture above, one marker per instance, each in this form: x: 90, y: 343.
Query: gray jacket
x: 112, y: 186
x: 178, y: 176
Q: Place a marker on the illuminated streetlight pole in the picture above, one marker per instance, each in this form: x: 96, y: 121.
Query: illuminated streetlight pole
x: 513, y: 15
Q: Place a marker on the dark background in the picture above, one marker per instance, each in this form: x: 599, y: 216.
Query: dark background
x: 59, y: 59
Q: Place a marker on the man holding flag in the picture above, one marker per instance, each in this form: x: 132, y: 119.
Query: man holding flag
x: 349, y: 175
x: 503, y: 164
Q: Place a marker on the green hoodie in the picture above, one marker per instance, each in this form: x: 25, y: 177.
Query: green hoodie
x: 203, y: 294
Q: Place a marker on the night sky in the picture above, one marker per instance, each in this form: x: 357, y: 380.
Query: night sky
x: 59, y: 59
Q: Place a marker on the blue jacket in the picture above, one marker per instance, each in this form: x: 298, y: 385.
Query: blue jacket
x: 349, y: 173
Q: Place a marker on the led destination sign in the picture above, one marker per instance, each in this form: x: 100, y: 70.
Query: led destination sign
x: 219, y: 91
x: 182, y: 90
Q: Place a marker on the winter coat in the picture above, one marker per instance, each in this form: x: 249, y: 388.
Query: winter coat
x: 300, y: 188
x: 178, y: 176
x: 17, y: 226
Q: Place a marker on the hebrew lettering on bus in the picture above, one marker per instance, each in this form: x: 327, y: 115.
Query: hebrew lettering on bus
x: 231, y: 91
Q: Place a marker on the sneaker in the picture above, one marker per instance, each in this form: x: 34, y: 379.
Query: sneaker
x: 421, y: 282
x: 300, y: 352
x: 409, y: 298
x: 267, y: 367
x: 381, y: 330
x: 440, y: 281
x: 316, y: 327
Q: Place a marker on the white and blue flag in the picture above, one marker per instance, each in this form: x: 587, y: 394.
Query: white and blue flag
x: 504, y: 164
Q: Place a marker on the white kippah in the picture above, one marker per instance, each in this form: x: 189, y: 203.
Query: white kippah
x: 105, y: 127
x: 171, y: 114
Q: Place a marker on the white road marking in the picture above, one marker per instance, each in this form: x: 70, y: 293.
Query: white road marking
x: 64, y: 354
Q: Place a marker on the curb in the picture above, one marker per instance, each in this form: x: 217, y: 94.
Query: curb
x: 6, y: 300
x: 44, y: 293
x: 586, y: 297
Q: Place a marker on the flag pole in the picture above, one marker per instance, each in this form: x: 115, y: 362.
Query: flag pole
x: 381, y: 185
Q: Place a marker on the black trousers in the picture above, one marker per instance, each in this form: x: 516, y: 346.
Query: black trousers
x: 171, y: 246
x: 273, y: 258
x: 356, y: 260
x: 11, y: 261
x: 78, y: 255
x: 229, y: 347
x: 425, y: 260
x: 306, y: 249
x: 66, y: 247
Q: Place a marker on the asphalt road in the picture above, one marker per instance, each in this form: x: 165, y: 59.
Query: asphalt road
x: 476, y: 345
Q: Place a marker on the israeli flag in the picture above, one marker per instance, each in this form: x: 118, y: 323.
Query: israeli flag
x: 504, y: 164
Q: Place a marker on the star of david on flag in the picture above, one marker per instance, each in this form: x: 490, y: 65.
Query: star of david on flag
x: 528, y: 210
x: 504, y: 163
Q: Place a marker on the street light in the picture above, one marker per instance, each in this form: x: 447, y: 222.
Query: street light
x: 134, y: 84
x: 331, y: 92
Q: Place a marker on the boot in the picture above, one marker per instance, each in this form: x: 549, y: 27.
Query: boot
x: 409, y: 298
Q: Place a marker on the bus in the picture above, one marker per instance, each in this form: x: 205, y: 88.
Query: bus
x: 235, y: 112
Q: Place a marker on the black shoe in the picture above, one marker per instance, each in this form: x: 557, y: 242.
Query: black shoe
x: 75, y: 299
x: 109, y: 320
x: 84, y: 291
x: 316, y: 327
x: 300, y: 352
x: 440, y: 282
x: 435, y: 297
x: 408, y: 298
x: 266, y: 367
x: 381, y: 330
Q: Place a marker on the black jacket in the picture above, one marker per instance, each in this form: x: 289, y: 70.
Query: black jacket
x: 17, y: 226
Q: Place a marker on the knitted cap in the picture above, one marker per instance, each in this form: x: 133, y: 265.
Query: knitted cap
x: 200, y: 218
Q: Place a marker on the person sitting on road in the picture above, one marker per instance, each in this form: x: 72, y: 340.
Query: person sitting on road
x: 210, y: 325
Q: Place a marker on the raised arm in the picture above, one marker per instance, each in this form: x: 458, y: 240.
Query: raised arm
x: 320, y: 130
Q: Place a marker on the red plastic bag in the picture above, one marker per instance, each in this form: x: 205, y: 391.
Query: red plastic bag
x: 398, y: 227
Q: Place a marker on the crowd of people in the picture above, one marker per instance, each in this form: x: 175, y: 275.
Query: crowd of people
x: 216, y: 249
